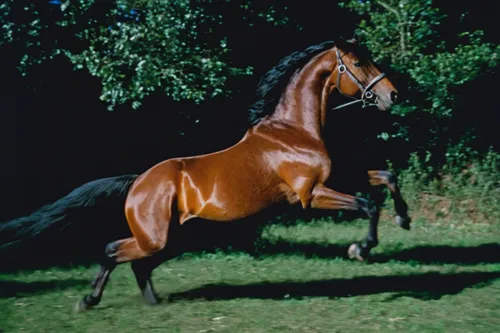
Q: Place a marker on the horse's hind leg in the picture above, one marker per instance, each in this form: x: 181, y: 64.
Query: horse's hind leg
x: 380, y: 177
x: 98, y: 276
x: 101, y: 279
x: 98, y: 284
x: 142, y: 270
x: 150, y: 236
x: 120, y: 251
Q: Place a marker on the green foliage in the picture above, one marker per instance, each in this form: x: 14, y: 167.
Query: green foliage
x: 134, y: 47
x: 466, y: 188
x: 271, y: 14
x: 436, y: 74
x: 396, y: 30
x: 404, y: 33
x: 459, y: 156
x: 162, y: 51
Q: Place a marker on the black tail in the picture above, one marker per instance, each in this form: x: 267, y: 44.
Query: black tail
x: 82, y: 221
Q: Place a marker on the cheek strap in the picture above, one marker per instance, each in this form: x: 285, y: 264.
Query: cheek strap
x: 368, y: 98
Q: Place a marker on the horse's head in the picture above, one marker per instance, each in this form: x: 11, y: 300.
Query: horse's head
x: 355, y: 73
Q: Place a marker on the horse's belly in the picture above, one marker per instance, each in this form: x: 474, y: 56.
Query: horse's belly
x: 234, y: 204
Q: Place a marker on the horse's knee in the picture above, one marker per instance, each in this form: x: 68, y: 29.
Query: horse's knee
x: 388, y: 176
x: 390, y: 179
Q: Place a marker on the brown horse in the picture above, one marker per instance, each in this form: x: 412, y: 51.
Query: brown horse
x: 281, y: 158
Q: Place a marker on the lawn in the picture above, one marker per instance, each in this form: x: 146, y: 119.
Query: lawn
x: 434, y: 278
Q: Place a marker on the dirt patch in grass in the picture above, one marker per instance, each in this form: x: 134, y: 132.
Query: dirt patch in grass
x: 441, y: 209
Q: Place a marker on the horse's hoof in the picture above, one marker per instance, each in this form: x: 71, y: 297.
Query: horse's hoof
x: 403, y: 222
x: 153, y: 299
x: 355, y: 252
x: 81, y: 306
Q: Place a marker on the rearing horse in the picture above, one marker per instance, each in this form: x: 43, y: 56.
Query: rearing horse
x: 282, y: 158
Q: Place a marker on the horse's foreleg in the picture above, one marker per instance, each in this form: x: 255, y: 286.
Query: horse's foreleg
x: 325, y: 198
x: 381, y: 177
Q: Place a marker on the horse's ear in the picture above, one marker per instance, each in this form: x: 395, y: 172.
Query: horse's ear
x: 341, y: 42
x: 354, y: 39
x: 346, y: 45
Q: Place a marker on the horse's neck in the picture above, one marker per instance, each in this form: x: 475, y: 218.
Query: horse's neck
x: 304, y: 101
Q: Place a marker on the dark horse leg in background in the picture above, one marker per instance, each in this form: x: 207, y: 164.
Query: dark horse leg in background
x: 387, y: 178
x: 361, y: 250
x: 142, y: 270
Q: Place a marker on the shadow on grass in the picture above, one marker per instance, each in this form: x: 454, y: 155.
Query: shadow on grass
x: 18, y: 288
x: 485, y: 253
x: 422, y: 286
x: 308, y: 250
x: 425, y: 254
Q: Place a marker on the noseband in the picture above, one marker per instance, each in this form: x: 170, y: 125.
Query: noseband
x: 368, y: 98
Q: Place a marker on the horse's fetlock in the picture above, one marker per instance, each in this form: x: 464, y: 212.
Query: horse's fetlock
x: 370, y: 243
x: 91, y: 300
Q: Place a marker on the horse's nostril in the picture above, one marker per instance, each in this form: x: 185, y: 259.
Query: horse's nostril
x: 394, y: 96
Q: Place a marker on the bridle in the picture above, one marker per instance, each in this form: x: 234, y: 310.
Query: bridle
x: 368, y: 98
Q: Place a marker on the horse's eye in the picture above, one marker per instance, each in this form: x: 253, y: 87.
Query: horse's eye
x: 357, y: 64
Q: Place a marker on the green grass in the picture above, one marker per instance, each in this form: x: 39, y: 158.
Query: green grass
x: 435, y: 278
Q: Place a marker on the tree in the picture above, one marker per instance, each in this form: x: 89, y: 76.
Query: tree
x: 134, y: 47
x: 436, y: 64
x: 405, y: 34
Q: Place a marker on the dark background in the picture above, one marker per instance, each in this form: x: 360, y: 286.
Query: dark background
x: 55, y: 134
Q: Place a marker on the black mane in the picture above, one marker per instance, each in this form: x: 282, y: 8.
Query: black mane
x: 272, y: 84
